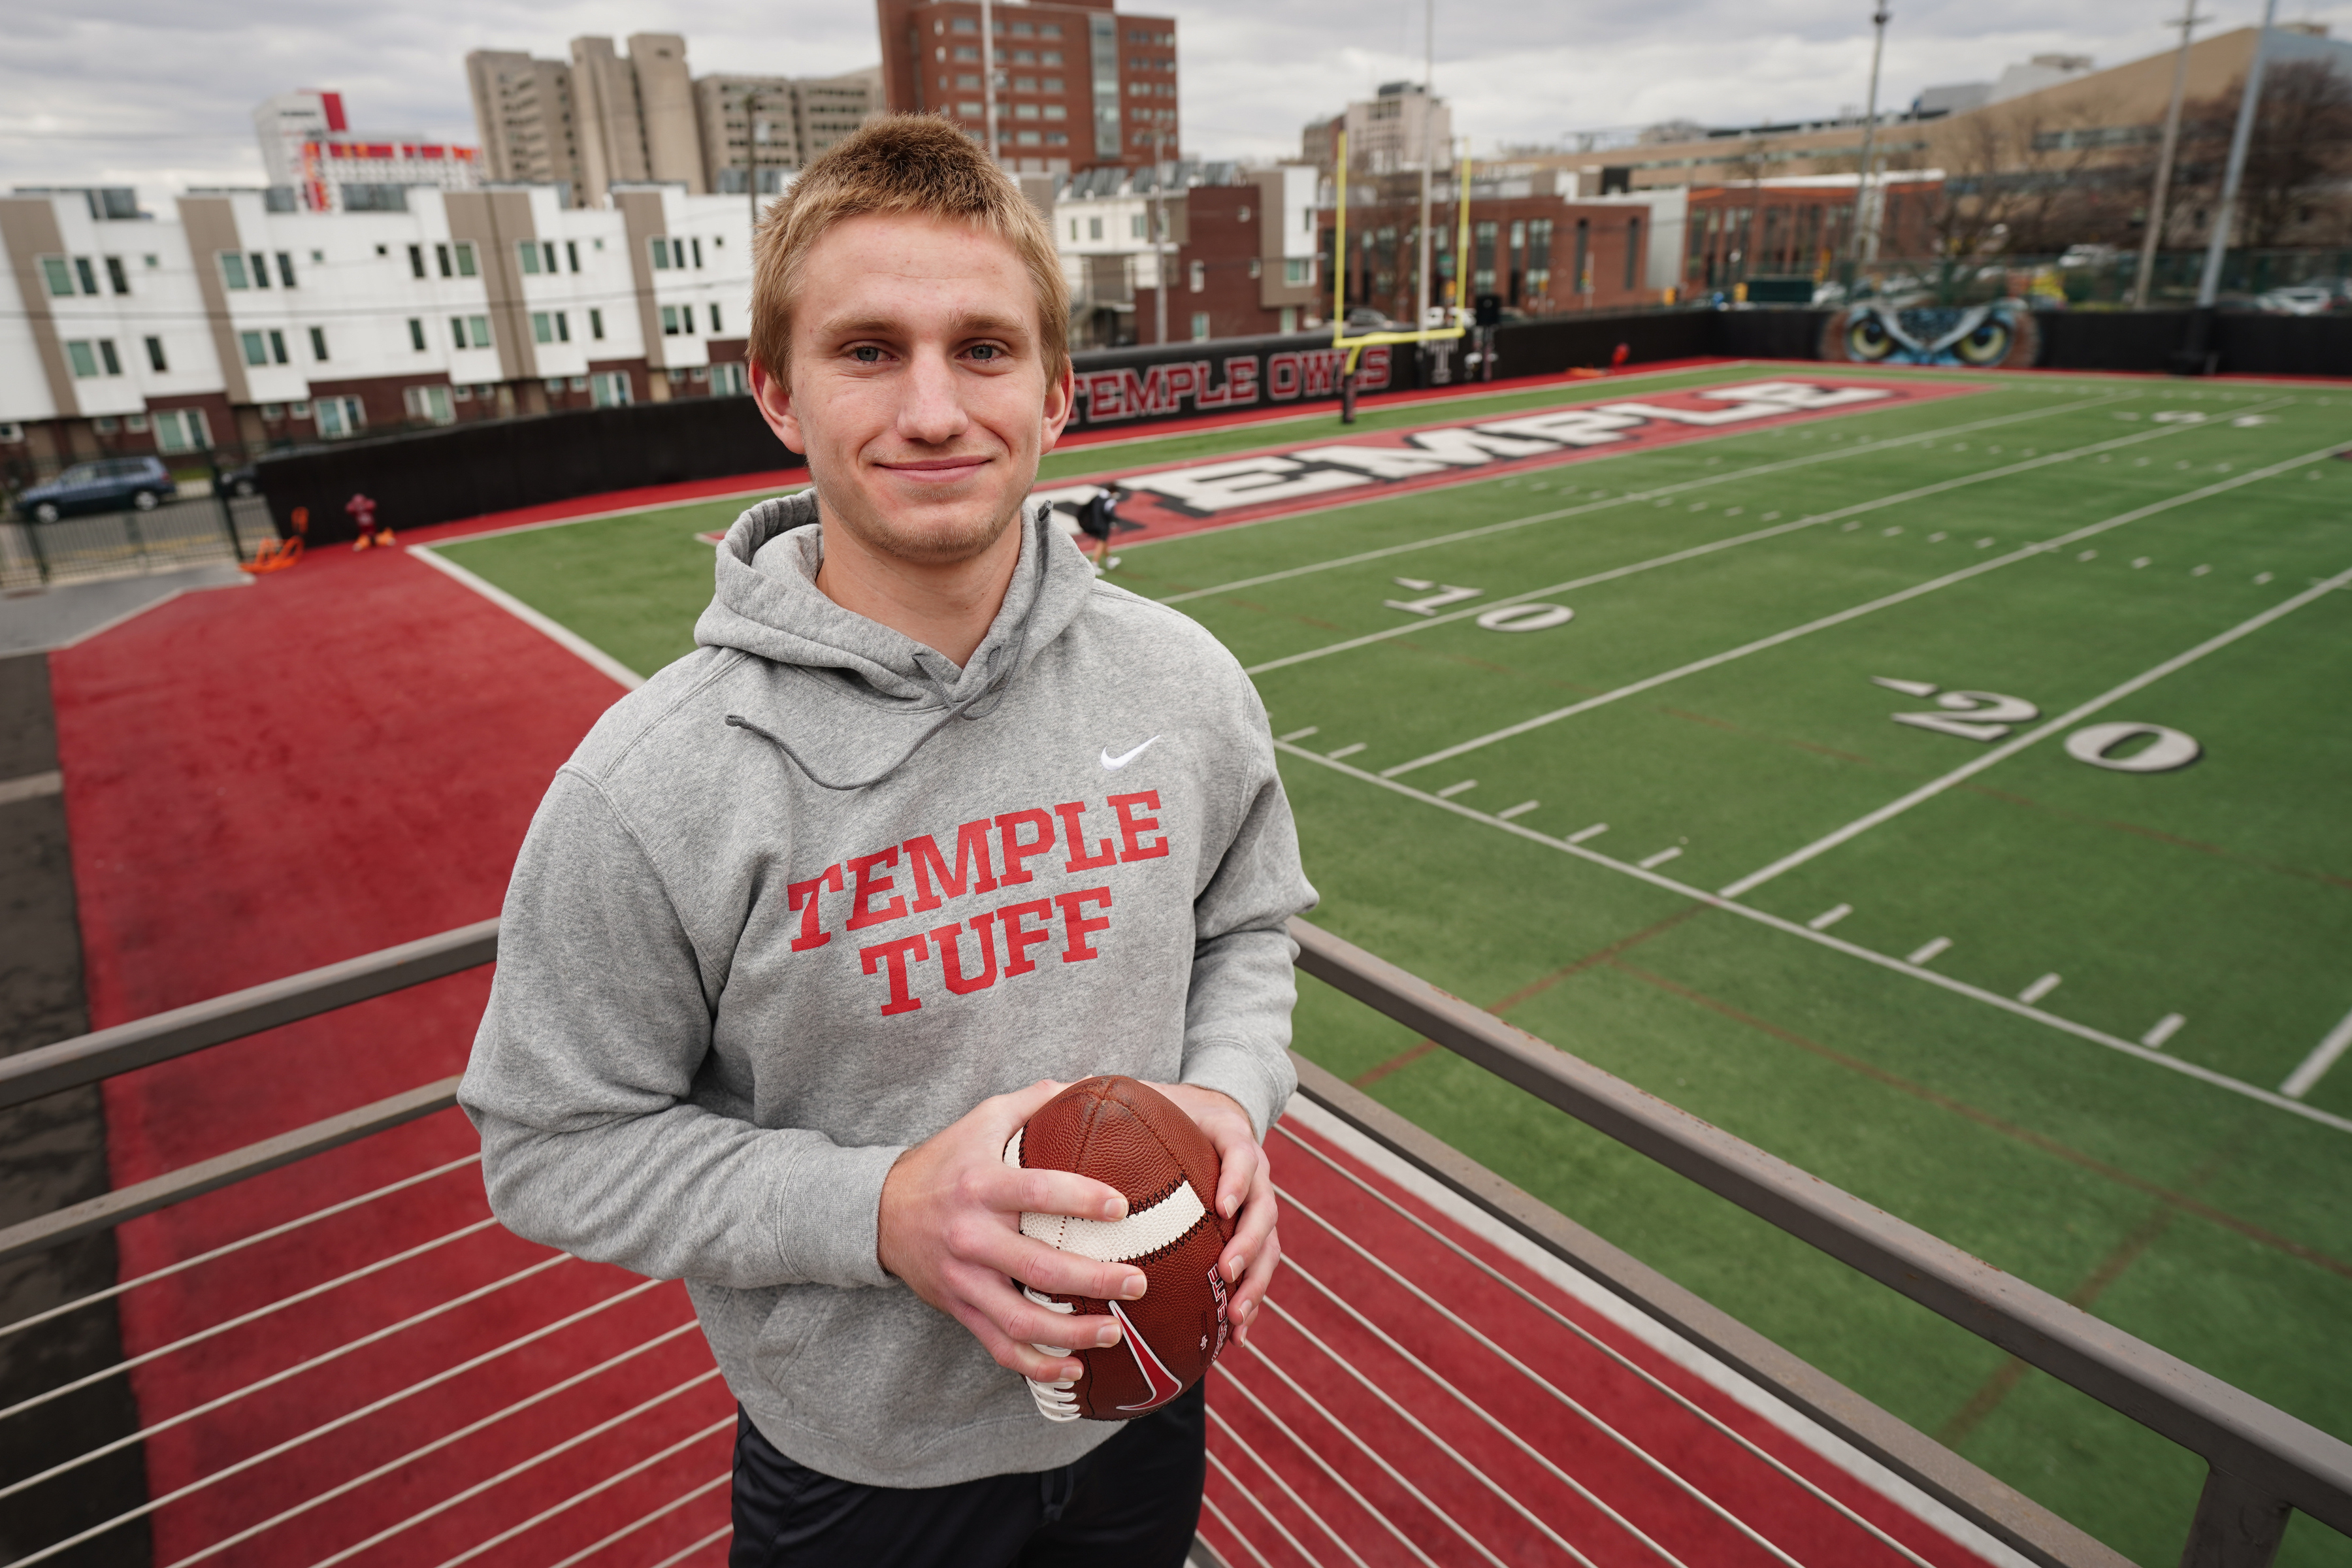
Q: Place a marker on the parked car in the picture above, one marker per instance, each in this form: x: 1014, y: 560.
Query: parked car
x: 244, y: 481
x: 2297, y: 299
x: 107, y: 485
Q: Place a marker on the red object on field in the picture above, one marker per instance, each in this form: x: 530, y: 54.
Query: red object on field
x: 1136, y: 1139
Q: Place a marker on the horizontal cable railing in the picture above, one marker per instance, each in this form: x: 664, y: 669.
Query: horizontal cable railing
x: 2261, y: 1462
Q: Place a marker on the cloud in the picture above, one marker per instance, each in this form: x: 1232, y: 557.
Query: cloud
x: 158, y: 94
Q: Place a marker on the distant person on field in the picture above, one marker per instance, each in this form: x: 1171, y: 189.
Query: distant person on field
x: 932, y: 822
x: 363, y: 510
x: 1097, y: 516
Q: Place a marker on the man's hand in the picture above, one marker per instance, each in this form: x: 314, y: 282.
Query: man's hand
x: 950, y: 1228
x: 1245, y: 1194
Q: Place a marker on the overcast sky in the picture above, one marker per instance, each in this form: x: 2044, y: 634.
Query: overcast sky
x: 159, y: 93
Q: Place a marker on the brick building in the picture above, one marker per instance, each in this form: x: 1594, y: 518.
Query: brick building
x: 1799, y: 227
x: 1079, y: 86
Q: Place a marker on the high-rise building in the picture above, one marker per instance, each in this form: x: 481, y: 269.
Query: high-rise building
x: 307, y: 148
x: 777, y: 124
x: 1395, y: 129
x: 1078, y: 85
x: 637, y: 114
x: 524, y: 113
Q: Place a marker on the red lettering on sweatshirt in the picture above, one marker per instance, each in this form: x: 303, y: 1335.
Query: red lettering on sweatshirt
x: 897, y: 954
x: 1075, y: 925
x: 931, y: 873
x: 1018, y: 940
x: 1071, y: 834
x: 1132, y: 826
x: 1017, y: 849
x: 802, y: 896
x: 951, y: 941
x: 862, y: 912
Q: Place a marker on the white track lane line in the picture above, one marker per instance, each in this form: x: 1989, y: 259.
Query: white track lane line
x: 1297, y: 1501
x: 1318, y: 1460
x: 238, y: 1245
x: 1252, y: 1498
x: 1697, y: 551
x: 683, y: 1552
x: 259, y: 1312
x: 1855, y: 612
x: 1630, y: 498
x: 1480, y: 1411
x: 1434, y: 1441
x: 1613, y: 1354
x: 2322, y: 1057
x: 576, y: 1499
x: 299, y: 1368
x: 563, y: 636
x: 1852, y: 950
x: 1209, y: 1506
x: 2008, y: 749
x: 585, y: 1552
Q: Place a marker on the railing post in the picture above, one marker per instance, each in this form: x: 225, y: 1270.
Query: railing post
x: 228, y: 511
x: 2238, y: 1525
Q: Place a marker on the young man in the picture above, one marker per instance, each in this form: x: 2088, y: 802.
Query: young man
x: 1097, y: 514
x: 930, y: 824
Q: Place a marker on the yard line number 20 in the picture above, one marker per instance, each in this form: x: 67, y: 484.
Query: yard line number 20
x: 1989, y: 716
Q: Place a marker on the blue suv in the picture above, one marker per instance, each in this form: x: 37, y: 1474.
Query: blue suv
x: 107, y: 485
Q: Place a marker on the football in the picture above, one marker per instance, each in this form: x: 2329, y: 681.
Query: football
x: 1132, y: 1137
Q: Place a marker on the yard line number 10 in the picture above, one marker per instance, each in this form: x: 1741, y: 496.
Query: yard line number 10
x: 1989, y: 716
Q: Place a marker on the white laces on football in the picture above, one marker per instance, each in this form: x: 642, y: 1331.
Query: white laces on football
x: 1056, y: 1401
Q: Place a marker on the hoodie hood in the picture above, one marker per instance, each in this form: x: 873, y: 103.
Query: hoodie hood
x: 768, y: 605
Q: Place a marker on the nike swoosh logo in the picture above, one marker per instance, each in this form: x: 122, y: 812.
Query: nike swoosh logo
x: 1160, y: 1384
x: 1112, y: 765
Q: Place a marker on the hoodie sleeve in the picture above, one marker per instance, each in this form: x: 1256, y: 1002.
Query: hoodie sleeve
x: 597, y: 1025
x: 1237, y: 1013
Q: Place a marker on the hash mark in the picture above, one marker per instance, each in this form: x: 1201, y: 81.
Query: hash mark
x: 1522, y: 809
x: 1659, y: 858
x: 2039, y: 989
x: 1345, y: 751
x: 1450, y: 791
x: 1829, y: 918
x: 1582, y: 834
x: 2163, y: 1030
x: 1298, y: 734
x: 1927, y: 951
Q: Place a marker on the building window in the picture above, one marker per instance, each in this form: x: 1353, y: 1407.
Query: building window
x: 697, y: 243
x: 135, y: 423
x: 276, y: 346
x: 479, y: 328
x: 1056, y: 111
x: 1024, y: 112
x: 458, y: 393
x: 669, y: 321
x: 319, y: 344
x: 661, y: 253
x: 610, y: 389
x: 1298, y: 272
x: 88, y: 275
x: 285, y: 269
x: 232, y: 268
x: 466, y: 267
x: 728, y: 380
x: 271, y: 413
x: 257, y: 348
x: 259, y: 265
x: 1633, y: 253
x: 1199, y: 325
x: 181, y: 430
x: 429, y: 405
x: 83, y: 357
x: 300, y: 408
x: 106, y: 423
x: 543, y: 327
x: 1027, y: 139
x: 714, y: 328
x: 58, y: 274
x: 1200, y: 276
x: 416, y: 260
x: 155, y: 360
x: 113, y: 361
x: 596, y: 324
x: 562, y: 327
x: 526, y: 251
x: 441, y: 256
x: 116, y: 277
x: 1256, y: 268
x: 1482, y: 278
x: 340, y: 416
x: 416, y: 333
x: 572, y: 253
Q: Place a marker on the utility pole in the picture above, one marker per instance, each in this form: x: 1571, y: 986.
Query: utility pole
x: 1865, y: 240
x: 988, y: 73
x: 1160, y: 233
x: 751, y: 153
x: 1428, y: 158
x: 2209, y: 284
x: 2154, y: 225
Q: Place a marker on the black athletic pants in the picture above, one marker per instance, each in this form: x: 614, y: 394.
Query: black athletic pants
x: 1134, y: 1501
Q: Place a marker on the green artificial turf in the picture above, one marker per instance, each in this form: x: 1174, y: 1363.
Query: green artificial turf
x: 2206, y: 1222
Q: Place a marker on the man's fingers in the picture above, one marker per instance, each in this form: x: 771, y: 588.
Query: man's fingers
x: 1008, y: 1253
x: 1238, y: 1172
x: 1243, y: 1311
x: 1050, y: 1192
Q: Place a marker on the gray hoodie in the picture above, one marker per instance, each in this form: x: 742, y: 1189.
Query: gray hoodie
x: 731, y: 990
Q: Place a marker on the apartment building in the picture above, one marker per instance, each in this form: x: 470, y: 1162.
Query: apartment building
x: 1077, y: 85
x: 637, y: 114
x: 310, y: 149
x: 1398, y: 128
x: 523, y: 112
x: 228, y: 326
x: 1239, y: 252
x: 775, y: 124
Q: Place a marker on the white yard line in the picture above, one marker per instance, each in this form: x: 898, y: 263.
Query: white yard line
x: 2324, y: 1056
x: 647, y: 508
x: 1840, y: 618
x: 1884, y: 960
x: 1900, y: 497
x: 562, y: 635
x: 1631, y: 496
x: 2002, y: 752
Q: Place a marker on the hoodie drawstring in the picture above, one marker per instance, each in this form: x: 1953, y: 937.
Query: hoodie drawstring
x: 1008, y: 656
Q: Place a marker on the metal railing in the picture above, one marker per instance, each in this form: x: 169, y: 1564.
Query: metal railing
x: 2261, y: 1462
x: 131, y: 542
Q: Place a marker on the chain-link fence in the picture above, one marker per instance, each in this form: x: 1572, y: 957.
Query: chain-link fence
x: 131, y: 542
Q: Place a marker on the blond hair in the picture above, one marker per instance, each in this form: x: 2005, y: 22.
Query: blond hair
x: 916, y: 164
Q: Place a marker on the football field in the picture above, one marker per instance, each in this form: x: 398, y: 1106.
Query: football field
x: 1938, y: 779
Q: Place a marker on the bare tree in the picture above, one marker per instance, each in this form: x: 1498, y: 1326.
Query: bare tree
x: 2295, y: 164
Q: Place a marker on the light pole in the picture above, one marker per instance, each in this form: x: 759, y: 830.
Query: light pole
x: 1160, y: 233
x: 1862, y: 246
x: 2211, y: 283
x: 988, y: 73
x: 2149, y: 240
x: 1428, y: 158
x: 751, y: 153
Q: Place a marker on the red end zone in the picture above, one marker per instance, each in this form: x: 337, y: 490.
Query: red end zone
x: 1187, y: 499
